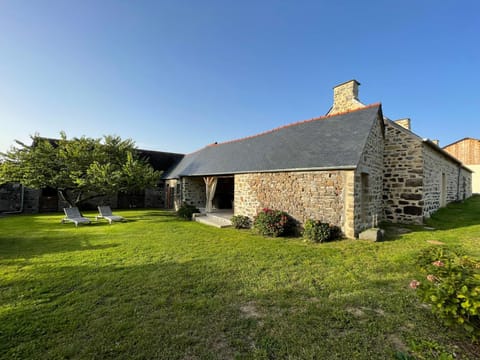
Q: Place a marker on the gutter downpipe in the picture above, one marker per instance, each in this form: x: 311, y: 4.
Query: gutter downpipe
x: 22, y: 198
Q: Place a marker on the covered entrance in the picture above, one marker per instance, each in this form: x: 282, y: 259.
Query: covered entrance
x: 219, y: 192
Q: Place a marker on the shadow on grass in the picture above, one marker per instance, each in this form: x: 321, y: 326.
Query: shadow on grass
x: 163, y: 310
x: 457, y: 215
x: 160, y: 214
x: 22, y: 248
x: 192, y: 309
x: 454, y: 216
x: 129, y: 216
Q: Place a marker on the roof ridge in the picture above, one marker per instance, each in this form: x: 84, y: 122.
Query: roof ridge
x: 455, y: 142
x: 323, y: 117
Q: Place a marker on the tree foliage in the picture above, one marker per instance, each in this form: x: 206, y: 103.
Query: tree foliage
x: 80, y: 168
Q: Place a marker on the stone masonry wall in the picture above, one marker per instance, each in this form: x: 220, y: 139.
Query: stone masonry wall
x: 246, y: 189
x: 154, y: 198
x: 319, y: 195
x: 438, y: 167
x: 31, y: 201
x: 10, y: 197
x: 193, y: 191
x: 369, y: 197
x: 403, y: 176
x: 466, y: 184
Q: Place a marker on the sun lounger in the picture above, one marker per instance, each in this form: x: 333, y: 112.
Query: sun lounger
x: 104, y: 212
x: 72, y: 214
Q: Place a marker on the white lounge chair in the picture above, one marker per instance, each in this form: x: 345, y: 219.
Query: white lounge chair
x: 72, y: 214
x: 104, y: 212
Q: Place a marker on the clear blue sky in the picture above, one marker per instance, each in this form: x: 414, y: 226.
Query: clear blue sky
x: 177, y: 75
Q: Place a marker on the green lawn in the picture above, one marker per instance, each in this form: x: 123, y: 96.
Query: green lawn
x: 161, y: 288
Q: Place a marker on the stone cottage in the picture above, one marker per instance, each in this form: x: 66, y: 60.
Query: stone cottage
x: 467, y: 150
x: 351, y: 168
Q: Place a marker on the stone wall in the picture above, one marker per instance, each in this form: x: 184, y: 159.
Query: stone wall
x: 466, y: 183
x: 34, y: 200
x: 245, y: 197
x: 417, y: 178
x: 92, y: 204
x: 31, y: 201
x: 348, y: 227
x: 149, y: 198
x: 10, y: 197
x: 369, y: 182
x: 444, y: 181
x: 319, y: 195
x: 193, y: 191
x: 155, y: 198
x: 403, y: 175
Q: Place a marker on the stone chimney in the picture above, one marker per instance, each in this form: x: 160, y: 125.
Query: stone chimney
x: 405, y: 123
x: 345, y: 97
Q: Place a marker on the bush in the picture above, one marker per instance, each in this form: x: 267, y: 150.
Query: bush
x: 274, y: 223
x: 186, y: 211
x: 452, y: 287
x: 241, y: 222
x: 318, y: 232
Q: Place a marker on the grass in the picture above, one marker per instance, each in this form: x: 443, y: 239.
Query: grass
x: 158, y: 287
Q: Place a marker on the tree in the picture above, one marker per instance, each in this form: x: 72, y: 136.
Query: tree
x: 80, y: 169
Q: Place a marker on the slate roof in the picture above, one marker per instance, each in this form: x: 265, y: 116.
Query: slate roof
x: 329, y: 142
x: 160, y: 160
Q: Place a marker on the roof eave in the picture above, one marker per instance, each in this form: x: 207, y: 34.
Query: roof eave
x: 327, y: 168
x: 445, y: 153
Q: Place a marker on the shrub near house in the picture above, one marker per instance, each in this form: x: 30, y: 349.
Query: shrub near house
x: 186, y: 211
x: 316, y: 231
x: 241, y: 222
x: 273, y: 223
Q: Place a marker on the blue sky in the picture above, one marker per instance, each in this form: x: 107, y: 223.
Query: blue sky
x: 178, y: 75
